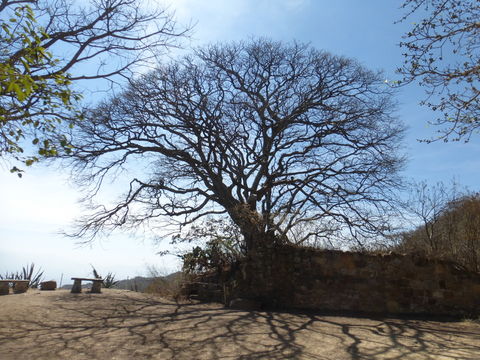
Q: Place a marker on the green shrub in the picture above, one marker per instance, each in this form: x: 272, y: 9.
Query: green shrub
x: 108, y: 281
x: 218, y: 253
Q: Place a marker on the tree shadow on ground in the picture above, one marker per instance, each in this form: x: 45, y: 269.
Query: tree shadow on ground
x: 127, y: 326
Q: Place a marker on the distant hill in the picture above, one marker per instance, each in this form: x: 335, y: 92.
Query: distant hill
x: 138, y: 283
x: 174, y: 276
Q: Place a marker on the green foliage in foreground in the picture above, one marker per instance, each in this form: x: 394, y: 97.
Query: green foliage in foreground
x: 34, y: 100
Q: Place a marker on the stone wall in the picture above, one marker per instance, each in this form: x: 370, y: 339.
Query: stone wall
x: 302, y: 278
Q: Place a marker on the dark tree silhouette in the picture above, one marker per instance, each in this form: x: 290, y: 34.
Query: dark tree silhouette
x: 274, y: 136
x: 442, y: 54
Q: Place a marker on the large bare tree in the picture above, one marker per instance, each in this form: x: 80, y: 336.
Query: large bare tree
x: 273, y: 136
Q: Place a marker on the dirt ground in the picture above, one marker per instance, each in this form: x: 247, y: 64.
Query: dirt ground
x: 120, y: 324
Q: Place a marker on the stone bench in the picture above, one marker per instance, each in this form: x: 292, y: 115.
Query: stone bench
x: 19, y: 286
x: 48, y: 285
x: 77, y: 285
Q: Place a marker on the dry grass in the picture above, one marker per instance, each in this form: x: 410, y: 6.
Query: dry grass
x: 168, y: 289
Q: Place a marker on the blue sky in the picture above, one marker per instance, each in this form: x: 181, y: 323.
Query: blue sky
x: 34, y: 209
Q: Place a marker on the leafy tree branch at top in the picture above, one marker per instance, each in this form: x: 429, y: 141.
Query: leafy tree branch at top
x: 46, y: 47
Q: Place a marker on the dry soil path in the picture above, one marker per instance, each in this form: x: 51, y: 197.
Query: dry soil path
x: 126, y: 325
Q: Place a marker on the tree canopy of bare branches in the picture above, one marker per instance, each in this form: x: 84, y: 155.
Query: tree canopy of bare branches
x: 272, y: 135
x: 48, y: 46
x: 442, y: 53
